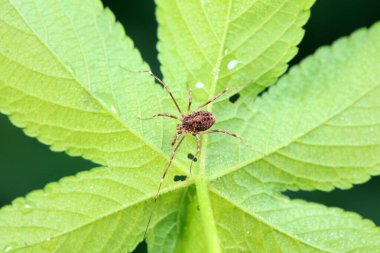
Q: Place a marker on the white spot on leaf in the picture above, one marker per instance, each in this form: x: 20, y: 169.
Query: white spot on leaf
x: 70, y: 69
x: 232, y: 64
x: 206, y: 1
x: 9, y: 248
x: 113, y: 109
x: 200, y: 85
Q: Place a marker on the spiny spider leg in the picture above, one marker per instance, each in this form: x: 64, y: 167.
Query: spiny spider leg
x: 177, y: 134
x: 234, y: 135
x: 160, y: 114
x: 213, y: 99
x: 161, y: 82
x: 168, y: 166
x: 167, y: 89
x: 198, y: 150
x: 220, y: 131
x: 237, y: 136
x: 190, y: 99
x: 161, y: 181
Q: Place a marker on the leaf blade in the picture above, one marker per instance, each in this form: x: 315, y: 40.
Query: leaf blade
x: 254, y: 214
x: 211, y: 46
x: 334, y: 142
x: 74, y: 103
x: 108, y: 204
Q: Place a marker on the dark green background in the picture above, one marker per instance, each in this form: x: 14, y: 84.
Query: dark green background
x: 26, y: 165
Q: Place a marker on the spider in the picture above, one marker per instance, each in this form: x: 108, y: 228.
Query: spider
x: 196, y: 123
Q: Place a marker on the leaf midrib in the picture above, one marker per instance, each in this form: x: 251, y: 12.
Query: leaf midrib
x: 202, y: 183
x: 149, y: 145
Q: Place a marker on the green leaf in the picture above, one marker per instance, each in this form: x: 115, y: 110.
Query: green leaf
x: 211, y: 45
x: 62, y: 79
x: 183, y: 232
x: 252, y: 218
x: 97, y: 211
x: 318, y: 128
x: 72, y: 95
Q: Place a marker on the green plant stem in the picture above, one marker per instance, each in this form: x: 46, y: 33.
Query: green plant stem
x: 208, y: 221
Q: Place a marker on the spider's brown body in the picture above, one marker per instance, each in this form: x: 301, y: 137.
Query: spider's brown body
x: 196, y: 122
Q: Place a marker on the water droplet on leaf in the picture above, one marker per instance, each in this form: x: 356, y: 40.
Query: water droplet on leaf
x: 27, y: 208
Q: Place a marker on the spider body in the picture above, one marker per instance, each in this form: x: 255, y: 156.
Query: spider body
x: 196, y: 122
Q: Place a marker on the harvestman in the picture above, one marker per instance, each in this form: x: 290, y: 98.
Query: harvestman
x: 195, y: 122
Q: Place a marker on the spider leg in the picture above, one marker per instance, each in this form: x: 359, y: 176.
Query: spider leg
x: 160, y: 114
x: 198, y: 150
x: 220, y: 131
x: 177, y: 134
x: 161, y: 82
x: 166, y: 87
x: 190, y: 99
x: 213, y: 99
x: 161, y: 181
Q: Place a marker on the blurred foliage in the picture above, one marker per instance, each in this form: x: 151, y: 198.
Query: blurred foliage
x: 330, y: 20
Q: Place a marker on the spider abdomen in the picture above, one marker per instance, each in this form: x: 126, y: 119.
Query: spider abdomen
x: 197, y: 121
